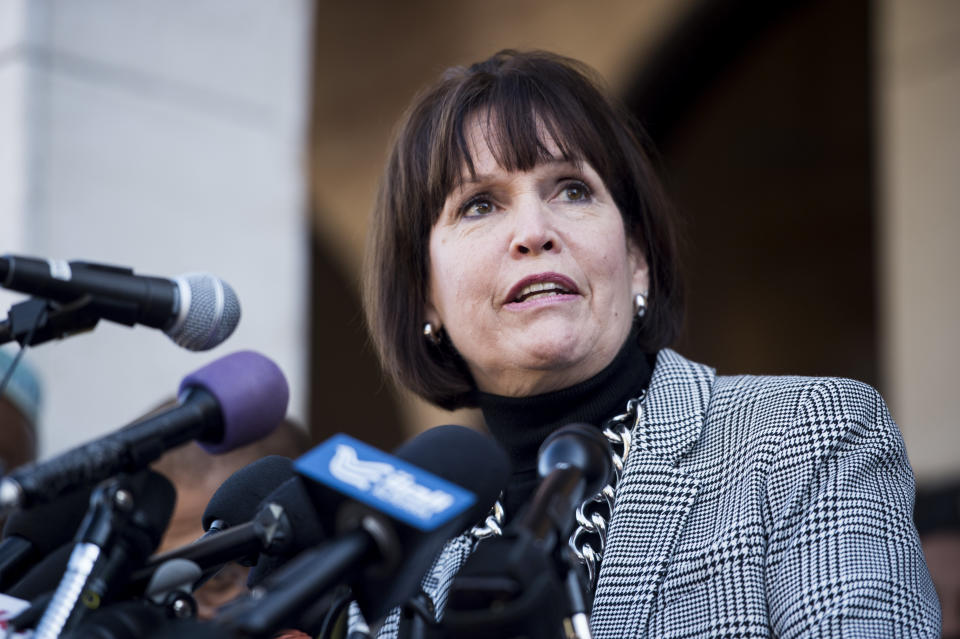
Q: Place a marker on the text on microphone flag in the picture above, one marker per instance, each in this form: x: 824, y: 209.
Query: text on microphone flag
x: 383, y: 482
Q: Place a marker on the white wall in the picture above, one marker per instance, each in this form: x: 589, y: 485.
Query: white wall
x: 919, y: 97
x: 168, y: 137
x: 13, y: 144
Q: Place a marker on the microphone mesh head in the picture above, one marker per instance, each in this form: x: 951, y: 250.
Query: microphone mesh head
x: 209, y: 312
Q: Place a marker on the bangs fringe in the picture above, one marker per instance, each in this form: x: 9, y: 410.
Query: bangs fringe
x: 519, y: 116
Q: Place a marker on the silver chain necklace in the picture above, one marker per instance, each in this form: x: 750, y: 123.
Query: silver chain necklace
x: 589, y: 538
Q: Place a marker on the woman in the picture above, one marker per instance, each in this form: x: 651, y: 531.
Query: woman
x: 522, y: 260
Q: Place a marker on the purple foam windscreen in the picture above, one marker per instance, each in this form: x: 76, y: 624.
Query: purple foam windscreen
x: 252, y: 393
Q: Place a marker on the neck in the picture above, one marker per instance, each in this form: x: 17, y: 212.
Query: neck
x: 520, y: 424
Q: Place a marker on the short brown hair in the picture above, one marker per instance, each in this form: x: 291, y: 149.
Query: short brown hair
x: 523, y: 95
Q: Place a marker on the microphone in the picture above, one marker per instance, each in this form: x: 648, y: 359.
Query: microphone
x: 37, y: 588
x: 43, y: 576
x: 238, y: 498
x: 124, y: 620
x: 196, y: 310
x: 509, y: 581
x: 230, y: 402
x: 284, y: 524
x: 303, y: 531
x: 392, y: 515
x: 29, y: 535
x: 124, y: 524
x: 234, y: 530
x: 38, y: 531
x: 175, y: 629
x: 574, y: 462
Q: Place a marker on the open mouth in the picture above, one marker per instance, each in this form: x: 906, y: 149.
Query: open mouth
x: 542, y: 289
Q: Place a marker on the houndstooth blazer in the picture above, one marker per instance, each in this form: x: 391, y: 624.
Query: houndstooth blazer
x: 755, y: 507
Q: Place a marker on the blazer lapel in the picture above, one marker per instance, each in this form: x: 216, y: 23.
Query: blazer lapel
x: 653, y: 498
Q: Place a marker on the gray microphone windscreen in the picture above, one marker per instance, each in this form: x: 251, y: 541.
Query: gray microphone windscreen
x: 209, y: 312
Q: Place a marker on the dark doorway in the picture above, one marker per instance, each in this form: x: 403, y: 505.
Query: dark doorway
x: 762, y: 114
x: 348, y: 392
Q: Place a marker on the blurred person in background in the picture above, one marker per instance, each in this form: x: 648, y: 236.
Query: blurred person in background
x: 19, y: 408
x: 196, y: 475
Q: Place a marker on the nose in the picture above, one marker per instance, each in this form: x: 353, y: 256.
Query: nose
x: 534, y: 232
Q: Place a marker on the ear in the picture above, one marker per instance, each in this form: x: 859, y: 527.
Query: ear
x: 638, y: 268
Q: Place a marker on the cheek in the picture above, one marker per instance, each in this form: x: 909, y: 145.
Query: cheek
x: 451, y: 279
x: 607, y: 262
x: 463, y: 266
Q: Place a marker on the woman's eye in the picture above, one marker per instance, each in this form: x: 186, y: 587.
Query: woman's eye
x: 575, y: 191
x: 476, y: 207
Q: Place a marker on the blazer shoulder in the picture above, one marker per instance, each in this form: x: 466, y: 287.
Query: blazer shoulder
x: 780, y: 384
x: 797, y: 397
x: 790, y: 414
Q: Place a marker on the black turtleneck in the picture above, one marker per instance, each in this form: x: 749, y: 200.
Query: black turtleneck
x: 521, y: 424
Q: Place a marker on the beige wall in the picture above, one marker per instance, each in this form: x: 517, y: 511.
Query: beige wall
x: 164, y: 136
x: 918, y: 83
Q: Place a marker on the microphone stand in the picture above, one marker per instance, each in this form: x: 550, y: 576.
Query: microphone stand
x: 418, y: 619
x: 100, y: 550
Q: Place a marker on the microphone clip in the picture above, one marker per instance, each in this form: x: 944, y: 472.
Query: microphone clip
x: 38, y: 320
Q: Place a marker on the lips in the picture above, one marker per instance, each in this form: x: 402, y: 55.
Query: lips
x: 540, y: 286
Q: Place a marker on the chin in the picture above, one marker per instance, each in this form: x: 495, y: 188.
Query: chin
x: 555, y: 350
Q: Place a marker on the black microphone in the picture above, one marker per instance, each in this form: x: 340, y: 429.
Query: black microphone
x: 574, y: 462
x: 177, y: 629
x: 43, y: 576
x: 238, y: 498
x: 124, y: 620
x: 29, y: 535
x: 302, y: 528
x: 234, y: 504
x: 166, y: 600
x: 526, y: 582
x: 233, y: 401
x: 284, y: 524
x: 197, y: 310
x: 392, y: 515
x: 235, y: 529
x: 127, y: 517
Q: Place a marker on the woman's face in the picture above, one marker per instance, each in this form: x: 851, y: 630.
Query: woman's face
x: 531, y: 274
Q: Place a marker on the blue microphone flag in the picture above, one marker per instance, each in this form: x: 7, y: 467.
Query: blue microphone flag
x: 385, y: 483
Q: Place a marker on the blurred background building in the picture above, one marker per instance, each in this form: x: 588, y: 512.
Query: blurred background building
x: 168, y: 137
x: 812, y: 149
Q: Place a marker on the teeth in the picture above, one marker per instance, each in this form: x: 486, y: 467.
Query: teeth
x: 542, y: 294
x: 540, y: 289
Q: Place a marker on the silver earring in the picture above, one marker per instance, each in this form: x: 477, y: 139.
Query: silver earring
x: 432, y: 334
x: 640, y: 304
